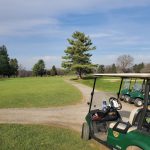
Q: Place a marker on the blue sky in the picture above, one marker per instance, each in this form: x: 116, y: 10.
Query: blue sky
x: 38, y: 29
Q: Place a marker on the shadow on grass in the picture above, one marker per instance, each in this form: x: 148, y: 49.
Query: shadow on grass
x: 88, y: 77
x: 5, y: 79
x: 74, y: 79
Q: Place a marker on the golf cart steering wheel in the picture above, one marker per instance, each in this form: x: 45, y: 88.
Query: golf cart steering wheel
x: 115, y: 103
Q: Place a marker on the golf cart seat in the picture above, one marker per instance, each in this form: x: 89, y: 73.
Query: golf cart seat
x: 129, y: 126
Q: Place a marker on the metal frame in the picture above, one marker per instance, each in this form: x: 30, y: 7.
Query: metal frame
x: 120, y: 88
x: 92, y: 93
x: 145, y: 107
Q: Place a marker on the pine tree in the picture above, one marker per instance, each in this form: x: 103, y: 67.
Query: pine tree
x: 39, y: 68
x: 101, y: 69
x: 77, y: 57
x: 13, y: 67
x: 4, y: 61
x: 53, y: 71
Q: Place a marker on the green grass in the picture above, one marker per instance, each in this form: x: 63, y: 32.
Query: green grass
x: 107, y: 84
x: 37, y: 92
x: 37, y: 137
x: 103, y: 84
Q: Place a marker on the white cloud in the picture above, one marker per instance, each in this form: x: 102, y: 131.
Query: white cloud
x: 116, y: 38
x: 126, y: 40
x: 16, y: 15
x: 25, y: 26
x: 105, y: 59
x: 100, y: 35
x: 142, y: 58
x: 51, y: 7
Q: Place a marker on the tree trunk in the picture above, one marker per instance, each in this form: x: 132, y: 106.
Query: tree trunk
x: 80, y: 74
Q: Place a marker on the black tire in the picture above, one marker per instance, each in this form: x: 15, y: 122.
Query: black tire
x: 127, y: 98
x: 138, y: 102
x: 121, y: 97
x: 85, y: 131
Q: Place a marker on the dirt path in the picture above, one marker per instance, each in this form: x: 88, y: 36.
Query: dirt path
x: 68, y: 116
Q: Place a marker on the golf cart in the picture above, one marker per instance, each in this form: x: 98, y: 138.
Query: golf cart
x: 106, y: 126
x: 125, y: 91
x: 137, y: 95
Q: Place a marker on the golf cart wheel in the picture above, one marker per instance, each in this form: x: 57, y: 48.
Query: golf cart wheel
x: 85, y: 131
x: 127, y: 98
x: 121, y: 97
x: 138, y: 102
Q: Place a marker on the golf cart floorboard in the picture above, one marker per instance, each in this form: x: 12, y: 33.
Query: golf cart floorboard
x: 101, y: 135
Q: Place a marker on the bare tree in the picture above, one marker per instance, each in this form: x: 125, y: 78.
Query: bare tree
x: 22, y: 72
x: 124, y: 63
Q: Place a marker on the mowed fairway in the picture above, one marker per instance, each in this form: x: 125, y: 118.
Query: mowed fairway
x: 103, y: 84
x: 34, y: 137
x: 37, y: 92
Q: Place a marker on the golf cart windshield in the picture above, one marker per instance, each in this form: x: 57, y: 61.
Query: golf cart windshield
x: 126, y: 84
x: 103, y: 99
x: 137, y: 87
x: 100, y: 100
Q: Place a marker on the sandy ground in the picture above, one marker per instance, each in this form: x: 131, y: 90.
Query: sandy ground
x: 68, y: 116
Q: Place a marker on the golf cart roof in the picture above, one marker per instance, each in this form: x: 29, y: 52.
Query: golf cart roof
x: 126, y: 75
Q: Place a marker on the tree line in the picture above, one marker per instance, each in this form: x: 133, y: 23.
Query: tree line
x: 9, y: 67
x: 136, y: 68
x: 77, y: 60
x: 40, y: 70
x: 124, y: 64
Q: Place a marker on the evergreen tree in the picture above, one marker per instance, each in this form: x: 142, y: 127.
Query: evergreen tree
x: 39, y: 68
x: 138, y: 67
x: 101, y: 69
x: 4, y: 61
x: 77, y: 57
x: 53, y: 71
x: 13, y: 67
x: 113, y: 68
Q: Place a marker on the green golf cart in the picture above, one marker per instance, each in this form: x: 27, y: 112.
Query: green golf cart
x: 106, y: 125
x: 135, y: 92
x: 126, y: 89
x: 137, y: 95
